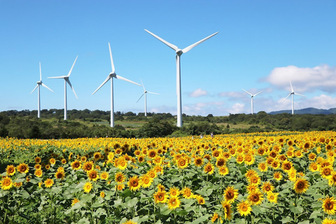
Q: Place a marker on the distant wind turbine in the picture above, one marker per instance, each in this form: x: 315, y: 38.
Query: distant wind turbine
x: 110, y: 77
x: 179, y: 52
x: 145, y: 94
x: 292, y: 93
x: 252, y: 96
x: 66, y: 81
x: 40, y: 83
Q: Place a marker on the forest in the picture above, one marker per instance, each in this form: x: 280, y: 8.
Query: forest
x: 86, y: 123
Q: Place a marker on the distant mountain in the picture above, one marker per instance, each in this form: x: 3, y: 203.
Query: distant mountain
x: 309, y: 110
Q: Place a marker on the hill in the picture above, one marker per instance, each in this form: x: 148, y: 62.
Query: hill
x: 309, y: 110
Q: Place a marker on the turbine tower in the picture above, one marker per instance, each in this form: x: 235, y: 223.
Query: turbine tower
x: 110, y: 77
x: 39, y: 84
x: 292, y: 93
x: 252, y: 96
x: 66, y: 81
x: 145, y: 94
x: 179, y: 52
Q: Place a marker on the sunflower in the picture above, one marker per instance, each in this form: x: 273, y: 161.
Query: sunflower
x: 120, y: 187
x: 104, y: 175
x: 122, y: 163
x: 244, y: 208
x: 17, y: 184
x: 186, y: 191
x: 224, y: 170
x: 200, y: 199
x: 102, y: 194
x: 134, y: 183
x: 227, y: 210
x: 292, y: 175
x: 214, y: 217
x: 272, y: 197
x: 87, y: 166
x: 313, y: 167
x: 146, y: 181
x: 301, y: 185
x: 76, y: 165
x: 174, y: 192
x: 329, y: 205
x: 49, y: 183
x: 10, y: 170
x: 74, y: 201
x: 93, y: 175
x: 87, y: 187
x: 250, y: 173
x: 47, y: 166
x: 38, y: 166
x: 6, y: 183
x: 326, y: 171
x: 255, y: 180
x: 209, y: 168
x: 83, y: 159
x: 215, y: 153
x: 23, y: 168
x: 160, y: 187
x: 52, y: 161
x: 38, y: 159
x: 173, y: 203
x: 63, y: 161
x: 249, y: 159
x: 230, y: 194
x: 240, y: 159
x: 255, y: 198
x: 332, y: 179
x: 221, y: 161
x: 252, y: 188
x: 129, y: 222
x: 267, y: 187
x: 97, y: 156
x: 38, y: 173
x: 119, y: 177
x: 312, y: 156
x: 152, y: 153
x: 160, y: 197
x: 286, y: 166
x: 182, y: 163
x: 262, y: 167
x: 328, y: 221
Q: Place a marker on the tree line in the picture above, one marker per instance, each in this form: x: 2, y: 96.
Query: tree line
x: 86, y: 123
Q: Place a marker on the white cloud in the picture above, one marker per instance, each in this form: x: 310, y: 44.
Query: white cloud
x: 320, y: 77
x: 232, y: 95
x: 237, y: 108
x: 198, y: 92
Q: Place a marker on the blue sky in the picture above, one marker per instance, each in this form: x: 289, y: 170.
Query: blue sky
x: 261, y: 46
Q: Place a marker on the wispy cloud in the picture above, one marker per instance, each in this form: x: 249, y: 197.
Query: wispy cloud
x: 321, y: 77
x: 198, y: 93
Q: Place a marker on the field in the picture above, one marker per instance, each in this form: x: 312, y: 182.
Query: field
x: 279, y: 177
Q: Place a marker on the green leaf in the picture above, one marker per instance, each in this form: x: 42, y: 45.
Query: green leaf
x: 118, y: 202
x: 286, y: 219
x: 84, y: 221
x: 201, y: 219
x: 296, y: 209
x: 131, y: 203
x: 304, y: 222
x: 99, y: 212
x: 315, y: 214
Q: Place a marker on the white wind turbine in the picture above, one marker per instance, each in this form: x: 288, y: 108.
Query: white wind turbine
x: 40, y: 83
x: 110, y: 77
x: 66, y: 81
x: 179, y: 52
x: 292, y: 93
x: 252, y: 96
x: 145, y: 94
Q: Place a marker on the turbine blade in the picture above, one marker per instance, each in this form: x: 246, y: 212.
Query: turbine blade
x: 40, y: 72
x: 73, y: 90
x: 44, y: 85
x: 172, y: 46
x: 72, y: 67
x: 106, y: 80
x: 127, y: 80
x: 185, y: 50
x: 291, y: 86
x: 283, y: 100
x: 299, y: 94
x: 112, y: 65
x: 153, y: 93
x: 34, y: 88
x: 58, y: 77
x: 257, y: 93
x: 247, y: 92
x: 140, y: 97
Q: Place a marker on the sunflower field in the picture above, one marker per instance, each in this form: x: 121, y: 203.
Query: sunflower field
x: 282, y: 177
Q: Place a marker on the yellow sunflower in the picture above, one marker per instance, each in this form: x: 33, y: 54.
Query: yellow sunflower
x: 209, y: 168
x: 227, y: 210
x: 87, y: 166
x: 76, y: 165
x: 182, y: 163
x: 272, y: 197
x: 174, y: 192
x: 160, y: 197
x: 267, y: 187
x: 6, y: 183
x: 255, y: 198
x: 329, y: 205
x: 23, y: 168
x: 332, y: 179
x: 10, y: 170
x: 38, y: 159
x: 60, y: 175
x: 230, y: 194
x: 146, y: 181
x: 74, y: 201
x: 38, y: 173
x: 104, y: 175
x: 328, y: 221
x: 134, y: 183
x: 173, y: 203
x: 186, y: 191
x: 119, y: 177
x: 301, y: 185
x: 87, y: 187
x: 244, y: 208
x: 49, y: 182
x: 198, y: 161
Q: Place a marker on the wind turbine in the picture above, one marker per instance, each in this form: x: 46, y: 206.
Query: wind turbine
x: 145, y: 94
x: 66, y: 81
x: 39, y: 84
x: 252, y: 96
x: 110, y: 77
x: 292, y: 93
x: 179, y: 52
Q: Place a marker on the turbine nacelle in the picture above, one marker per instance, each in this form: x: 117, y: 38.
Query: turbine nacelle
x: 39, y: 83
x: 179, y: 52
x: 112, y: 75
